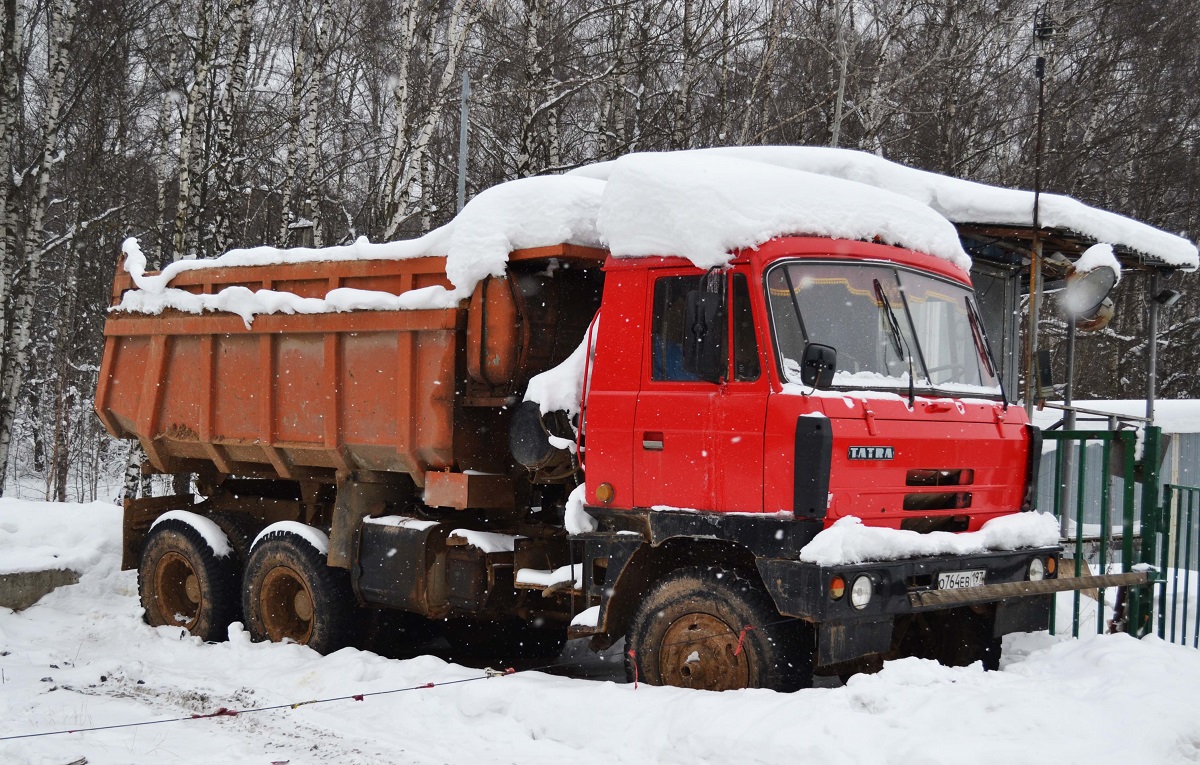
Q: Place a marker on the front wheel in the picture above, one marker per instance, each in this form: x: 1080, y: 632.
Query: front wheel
x: 290, y: 594
x: 715, y: 629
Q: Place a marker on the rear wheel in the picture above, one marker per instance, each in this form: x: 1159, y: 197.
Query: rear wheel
x: 182, y: 583
x: 714, y: 629
x: 290, y: 594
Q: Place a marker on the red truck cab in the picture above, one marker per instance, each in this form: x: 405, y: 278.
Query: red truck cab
x: 912, y: 432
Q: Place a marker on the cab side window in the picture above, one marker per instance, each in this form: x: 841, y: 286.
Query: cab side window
x: 667, y: 328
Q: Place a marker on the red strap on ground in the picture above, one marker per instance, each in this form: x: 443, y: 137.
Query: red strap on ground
x: 633, y: 663
x: 222, y: 712
x: 742, y: 638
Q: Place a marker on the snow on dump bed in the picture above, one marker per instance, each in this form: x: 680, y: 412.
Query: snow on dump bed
x: 697, y: 207
x: 958, y: 200
x: 695, y: 204
x: 848, y: 541
x: 531, y: 212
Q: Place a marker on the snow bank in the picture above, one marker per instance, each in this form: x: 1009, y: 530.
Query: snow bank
x: 958, y: 200
x: 37, y: 536
x: 848, y: 541
x: 82, y: 657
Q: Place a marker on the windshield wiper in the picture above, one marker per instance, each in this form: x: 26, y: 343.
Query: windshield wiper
x: 981, y: 346
x: 897, y: 340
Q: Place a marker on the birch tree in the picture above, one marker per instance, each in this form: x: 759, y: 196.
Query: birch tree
x: 411, y: 137
x: 19, y: 334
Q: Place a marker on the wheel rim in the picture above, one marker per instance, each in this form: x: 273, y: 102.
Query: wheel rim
x: 700, y: 651
x: 286, y: 606
x: 177, y: 590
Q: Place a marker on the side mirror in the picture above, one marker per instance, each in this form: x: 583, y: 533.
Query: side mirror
x: 818, y: 365
x: 704, y: 332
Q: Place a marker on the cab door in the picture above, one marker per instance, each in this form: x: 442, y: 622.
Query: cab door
x: 699, y: 444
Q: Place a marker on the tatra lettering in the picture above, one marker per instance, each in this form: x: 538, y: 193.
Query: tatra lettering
x: 872, y: 452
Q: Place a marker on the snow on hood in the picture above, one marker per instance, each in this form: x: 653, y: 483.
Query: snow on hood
x: 958, y: 200
x: 848, y: 541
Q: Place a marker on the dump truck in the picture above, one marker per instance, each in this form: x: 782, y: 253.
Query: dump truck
x: 386, y: 461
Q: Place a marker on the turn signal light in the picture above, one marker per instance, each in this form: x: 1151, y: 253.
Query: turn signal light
x: 837, y: 587
x: 1051, y: 565
x: 605, y: 493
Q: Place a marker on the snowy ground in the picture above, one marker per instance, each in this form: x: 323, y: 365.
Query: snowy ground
x: 83, y: 658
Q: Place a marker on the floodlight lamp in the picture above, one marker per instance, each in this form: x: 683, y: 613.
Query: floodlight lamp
x: 1086, y: 292
x: 1168, y: 298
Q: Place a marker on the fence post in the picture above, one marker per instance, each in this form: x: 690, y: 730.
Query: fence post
x: 1142, y: 598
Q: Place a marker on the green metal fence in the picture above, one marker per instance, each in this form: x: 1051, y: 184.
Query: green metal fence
x: 1176, y: 606
x: 1086, y: 524
x: 1108, y: 526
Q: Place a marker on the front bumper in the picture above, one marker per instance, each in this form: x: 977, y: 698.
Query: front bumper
x: 902, y: 588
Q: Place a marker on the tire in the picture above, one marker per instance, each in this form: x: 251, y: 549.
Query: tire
x: 686, y: 630
x: 289, y: 593
x: 239, y: 530
x: 183, y: 584
x: 504, y: 639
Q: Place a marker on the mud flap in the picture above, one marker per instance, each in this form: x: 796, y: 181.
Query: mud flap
x: 838, y: 642
x: 1022, y: 615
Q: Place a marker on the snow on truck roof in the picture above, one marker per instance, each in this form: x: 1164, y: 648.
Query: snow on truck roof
x: 699, y: 204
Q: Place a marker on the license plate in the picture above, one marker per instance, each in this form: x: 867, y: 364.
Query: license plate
x: 958, y: 580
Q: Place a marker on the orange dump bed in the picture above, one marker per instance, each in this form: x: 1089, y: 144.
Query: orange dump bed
x: 305, y: 396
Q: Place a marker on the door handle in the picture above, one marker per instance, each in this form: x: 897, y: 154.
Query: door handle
x: 652, y: 442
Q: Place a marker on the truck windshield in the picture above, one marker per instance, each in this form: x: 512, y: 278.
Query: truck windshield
x: 883, y: 321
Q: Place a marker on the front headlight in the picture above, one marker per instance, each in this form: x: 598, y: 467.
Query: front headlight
x: 861, y: 591
x: 1037, y: 570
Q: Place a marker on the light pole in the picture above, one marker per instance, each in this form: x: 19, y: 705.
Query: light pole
x: 463, y: 124
x: 1043, y: 35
